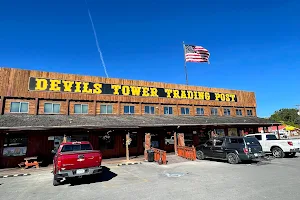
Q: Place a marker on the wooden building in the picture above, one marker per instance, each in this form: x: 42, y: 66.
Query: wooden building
x: 38, y: 108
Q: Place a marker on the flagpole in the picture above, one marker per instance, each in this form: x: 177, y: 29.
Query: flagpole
x: 185, y: 69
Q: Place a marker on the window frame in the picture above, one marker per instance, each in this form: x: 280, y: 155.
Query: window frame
x: 168, y: 107
x: 250, y: 111
x: 201, y: 109
x: 81, y: 108
x: 228, y: 111
x: 106, y: 105
x: 211, y: 111
x: 20, y: 103
x: 236, y: 112
x: 52, y: 107
x: 186, y: 110
x: 150, y: 109
x: 129, y: 106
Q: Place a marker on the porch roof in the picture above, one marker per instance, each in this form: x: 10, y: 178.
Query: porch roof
x: 35, y: 122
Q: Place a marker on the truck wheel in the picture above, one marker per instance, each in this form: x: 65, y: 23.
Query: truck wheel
x: 232, y: 158
x: 56, y: 182
x: 200, y: 155
x: 277, y: 152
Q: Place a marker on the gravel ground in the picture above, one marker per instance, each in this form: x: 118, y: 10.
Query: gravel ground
x: 278, y: 179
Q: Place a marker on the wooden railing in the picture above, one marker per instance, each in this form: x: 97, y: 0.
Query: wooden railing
x: 160, y: 156
x: 187, y: 152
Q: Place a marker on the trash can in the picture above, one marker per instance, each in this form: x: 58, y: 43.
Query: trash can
x: 150, y: 155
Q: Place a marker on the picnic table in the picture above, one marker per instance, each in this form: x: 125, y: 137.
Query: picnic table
x: 30, y: 161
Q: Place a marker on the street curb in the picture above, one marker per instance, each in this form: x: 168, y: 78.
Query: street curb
x: 14, y: 175
x: 132, y: 163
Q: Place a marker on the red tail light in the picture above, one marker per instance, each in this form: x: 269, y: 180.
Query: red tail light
x: 246, y: 150
x: 58, y: 163
x: 290, y: 143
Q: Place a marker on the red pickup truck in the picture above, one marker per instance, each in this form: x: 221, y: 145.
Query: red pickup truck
x: 75, y: 159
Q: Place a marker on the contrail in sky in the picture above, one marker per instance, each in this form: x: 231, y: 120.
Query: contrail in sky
x: 97, y: 43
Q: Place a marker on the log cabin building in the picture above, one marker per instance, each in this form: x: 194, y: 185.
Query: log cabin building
x: 38, y: 108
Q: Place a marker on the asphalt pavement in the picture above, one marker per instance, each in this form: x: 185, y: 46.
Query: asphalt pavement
x: 217, y: 180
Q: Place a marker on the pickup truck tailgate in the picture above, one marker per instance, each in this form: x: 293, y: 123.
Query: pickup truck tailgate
x: 80, y: 159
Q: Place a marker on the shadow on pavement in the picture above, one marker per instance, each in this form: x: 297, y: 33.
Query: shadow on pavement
x: 106, y: 175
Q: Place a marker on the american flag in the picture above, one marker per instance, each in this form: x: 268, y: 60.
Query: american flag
x: 196, y: 53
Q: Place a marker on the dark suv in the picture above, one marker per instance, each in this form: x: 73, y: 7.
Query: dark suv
x: 232, y: 149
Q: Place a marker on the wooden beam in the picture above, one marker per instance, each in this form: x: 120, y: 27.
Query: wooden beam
x: 119, y: 108
x: 2, y: 105
x: 68, y: 106
x: 36, y: 111
x: 141, y: 108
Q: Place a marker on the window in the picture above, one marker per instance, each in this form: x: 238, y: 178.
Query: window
x: 258, y: 137
x: 81, y: 108
x: 149, y: 110
x: 76, y: 147
x: 239, y: 112
x: 51, y: 108
x: 19, y: 107
x: 214, y: 111
x: 15, y: 145
x: 227, y: 111
x: 249, y: 113
x: 128, y: 109
x: 168, y: 110
x: 105, y: 109
x: 219, y: 142
x: 271, y: 137
x: 185, y: 111
x: 251, y: 140
x: 236, y: 140
x: 200, y: 111
x: 106, y: 141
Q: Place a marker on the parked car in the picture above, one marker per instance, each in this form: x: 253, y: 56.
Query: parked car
x: 232, y: 149
x: 75, y: 159
x: 271, y: 144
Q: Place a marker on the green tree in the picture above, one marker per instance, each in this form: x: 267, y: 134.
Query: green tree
x: 288, y: 116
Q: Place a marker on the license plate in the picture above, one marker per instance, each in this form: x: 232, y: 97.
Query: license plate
x: 79, y: 171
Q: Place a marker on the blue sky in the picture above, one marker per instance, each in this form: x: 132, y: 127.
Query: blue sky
x: 254, y: 45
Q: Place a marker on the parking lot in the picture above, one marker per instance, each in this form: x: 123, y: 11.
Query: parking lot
x: 278, y: 179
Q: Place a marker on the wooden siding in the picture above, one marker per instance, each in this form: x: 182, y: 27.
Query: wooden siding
x: 14, y: 83
x: 63, y: 106
x: 31, y: 106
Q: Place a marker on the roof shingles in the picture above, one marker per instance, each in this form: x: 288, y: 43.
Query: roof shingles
x: 22, y: 121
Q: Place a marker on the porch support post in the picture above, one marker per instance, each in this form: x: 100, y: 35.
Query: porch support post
x: 147, y: 145
x: 127, y: 146
x: 175, y: 143
x: 278, y: 134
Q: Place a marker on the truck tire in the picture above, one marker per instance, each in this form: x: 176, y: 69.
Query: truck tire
x: 277, y: 152
x: 232, y: 158
x: 56, y: 182
x: 200, y: 155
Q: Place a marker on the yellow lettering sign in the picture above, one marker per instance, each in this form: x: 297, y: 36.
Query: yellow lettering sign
x: 68, y: 86
x: 41, y: 84
x: 54, y: 85
x: 183, y: 94
x: 97, y: 88
x: 77, y: 86
x: 176, y: 94
x: 125, y: 90
x: 201, y: 95
x: 116, y: 89
x: 86, y: 88
x: 145, y: 92
x: 135, y: 91
x: 169, y: 92
x: 153, y: 92
x: 207, y: 96
x: 190, y: 95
